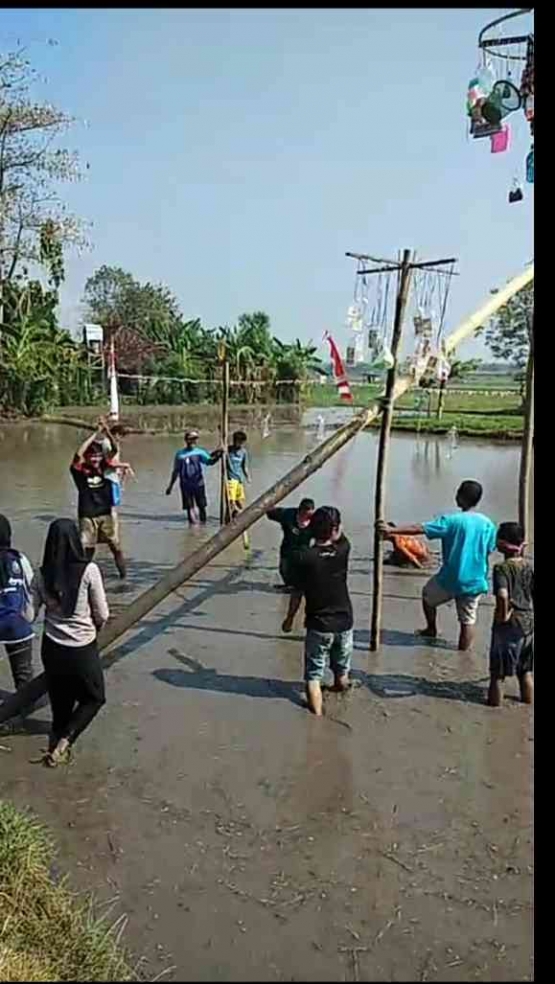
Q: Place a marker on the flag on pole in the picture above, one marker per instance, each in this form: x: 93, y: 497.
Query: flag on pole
x: 339, y: 373
x: 113, y: 377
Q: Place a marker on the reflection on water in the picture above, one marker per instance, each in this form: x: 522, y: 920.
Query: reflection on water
x: 422, y: 479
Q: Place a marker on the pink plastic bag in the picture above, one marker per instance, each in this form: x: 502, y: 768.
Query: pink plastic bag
x: 500, y: 141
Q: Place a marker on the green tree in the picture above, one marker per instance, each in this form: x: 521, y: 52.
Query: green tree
x: 35, y: 225
x: 113, y: 297
x: 508, y: 333
x: 293, y: 365
x: 41, y: 363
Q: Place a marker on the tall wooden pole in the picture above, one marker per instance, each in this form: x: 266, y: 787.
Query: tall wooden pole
x: 383, y: 449
x: 527, y: 438
x: 224, y: 428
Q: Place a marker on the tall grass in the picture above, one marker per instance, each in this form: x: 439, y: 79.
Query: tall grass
x: 46, y: 932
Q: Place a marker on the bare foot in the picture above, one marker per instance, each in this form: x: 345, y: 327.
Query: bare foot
x: 287, y: 625
x: 341, y: 684
x: 427, y: 633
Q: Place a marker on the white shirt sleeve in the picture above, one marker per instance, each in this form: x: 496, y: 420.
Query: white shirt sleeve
x: 97, y: 596
x: 28, y: 578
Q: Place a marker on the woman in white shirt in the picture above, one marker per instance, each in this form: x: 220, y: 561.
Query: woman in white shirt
x: 72, y: 592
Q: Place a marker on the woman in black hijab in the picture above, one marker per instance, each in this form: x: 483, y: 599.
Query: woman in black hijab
x: 72, y: 592
x: 16, y: 613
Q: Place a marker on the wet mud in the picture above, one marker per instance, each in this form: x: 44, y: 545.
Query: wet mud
x: 244, y: 839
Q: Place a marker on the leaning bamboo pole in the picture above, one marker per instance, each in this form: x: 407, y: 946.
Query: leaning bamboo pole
x: 527, y: 448
x: 33, y: 691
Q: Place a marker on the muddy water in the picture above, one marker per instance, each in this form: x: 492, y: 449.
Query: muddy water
x: 244, y: 839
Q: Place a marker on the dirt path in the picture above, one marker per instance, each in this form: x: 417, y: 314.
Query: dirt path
x: 247, y: 841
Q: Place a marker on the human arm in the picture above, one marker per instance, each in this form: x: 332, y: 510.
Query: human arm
x: 246, y: 468
x: 416, y: 529
x: 28, y: 580
x: 212, y: 457
x: 114, y: 446
x: 275, y: 515
x: 174, y: 475
x: 79, y: 456
x: 100, y: 612
x: 503, y: 610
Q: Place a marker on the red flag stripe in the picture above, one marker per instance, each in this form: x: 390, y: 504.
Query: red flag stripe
x: 340, y: 375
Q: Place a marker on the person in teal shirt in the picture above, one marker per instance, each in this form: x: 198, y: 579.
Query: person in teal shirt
x: 467, y: 539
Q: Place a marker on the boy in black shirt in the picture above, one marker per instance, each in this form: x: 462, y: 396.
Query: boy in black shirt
x: 295, y: 524
x: 512, y: 640
x: 321, y: 576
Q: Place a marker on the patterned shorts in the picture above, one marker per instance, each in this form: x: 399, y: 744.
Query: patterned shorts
x: 321, y: 647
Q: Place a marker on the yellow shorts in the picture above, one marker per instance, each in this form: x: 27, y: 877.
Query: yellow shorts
x: 236, y: 492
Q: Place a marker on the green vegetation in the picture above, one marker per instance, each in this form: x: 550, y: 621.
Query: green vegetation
x: 474, y: 414
x: 162, y: 356
x: 46, y: 934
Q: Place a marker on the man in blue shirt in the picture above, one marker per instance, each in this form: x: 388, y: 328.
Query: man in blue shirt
x: 467, y: 539
x: 188, y: 468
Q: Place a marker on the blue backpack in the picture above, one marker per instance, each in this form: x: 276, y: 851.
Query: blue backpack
x: 14, y: 627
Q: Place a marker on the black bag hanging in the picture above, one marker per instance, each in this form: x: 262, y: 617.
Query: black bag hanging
x: 516, y: 194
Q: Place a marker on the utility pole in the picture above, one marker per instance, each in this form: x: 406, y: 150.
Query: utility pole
x: 224, y: 428
x: 383, y: 450
x: 527, y: 449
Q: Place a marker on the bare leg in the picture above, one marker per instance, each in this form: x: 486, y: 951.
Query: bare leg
x: 294, y: 605
x: 119, y: 561
x: 430, y: 614
x: 495, y: 692
x: 526, y: 683
x: 314, y: 697
x: 466, y: 637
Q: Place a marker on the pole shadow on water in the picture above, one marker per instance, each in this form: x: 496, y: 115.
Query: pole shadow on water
x: 199, y: 677
x: 396, y: 685
x: 387, y: 686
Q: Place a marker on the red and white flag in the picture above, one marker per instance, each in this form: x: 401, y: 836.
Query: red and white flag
x: 339, y: 373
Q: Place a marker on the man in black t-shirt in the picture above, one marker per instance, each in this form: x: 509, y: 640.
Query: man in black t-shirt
x: 321, y: 577
x: 98, y: 520
x: 295, y: 524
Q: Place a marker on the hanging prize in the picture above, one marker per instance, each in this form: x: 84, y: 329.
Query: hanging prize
x: 516, y: 193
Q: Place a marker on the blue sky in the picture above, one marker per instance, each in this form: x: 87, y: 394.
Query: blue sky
x: 235, y: 155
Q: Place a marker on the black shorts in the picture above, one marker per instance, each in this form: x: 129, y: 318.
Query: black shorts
x: 287, y: 570
x: 194, y: 497
x: 511, y: 653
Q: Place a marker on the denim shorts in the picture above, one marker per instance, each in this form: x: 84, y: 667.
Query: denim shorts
x: 321, y: 646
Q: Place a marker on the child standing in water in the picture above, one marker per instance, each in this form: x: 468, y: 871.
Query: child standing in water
x: 512, y: 639
x: 237, y: 472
